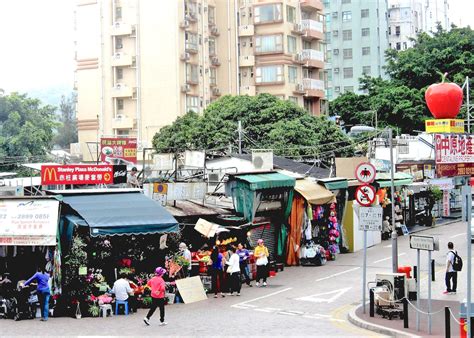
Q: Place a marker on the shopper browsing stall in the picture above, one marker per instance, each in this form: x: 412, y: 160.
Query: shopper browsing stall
x: 261, y: 253
x: 42, y: 279
x: 234, y: 272
x: 183, y: 248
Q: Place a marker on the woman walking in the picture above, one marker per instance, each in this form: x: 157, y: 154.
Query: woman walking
x: 217, y: 271
x: 158, y: 287
x: 261, y: 253
x: 234, y: 272
x: 42, y: 278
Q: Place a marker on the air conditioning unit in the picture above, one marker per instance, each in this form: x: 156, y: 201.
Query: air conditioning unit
x: 244, y: 44
x: 185, y: 24
x: 186, y: 88
x: 299, y: 87
x: 216, y: 92
x: 335, y: 51
x: 214, y: 178
x: 119, y: 116
x: 262, y: 159
x: 215, y: 61
x: 298, y: 57
x: 215, y: 31
x: 297, y: 27
x: 185, y: 56
x: 117, y: 56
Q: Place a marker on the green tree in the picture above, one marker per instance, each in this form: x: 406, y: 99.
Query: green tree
x: 67, y: 131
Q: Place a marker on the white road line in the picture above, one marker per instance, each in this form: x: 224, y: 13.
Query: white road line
x: 337, y: 274
x: 286, y: 313
x: 264, y: 310
x: 262, y: 297
x: 463, y: 234
x: 388, y: 246
x: 386, y: 259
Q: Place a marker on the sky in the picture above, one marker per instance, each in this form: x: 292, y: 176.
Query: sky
x: 37, y: 49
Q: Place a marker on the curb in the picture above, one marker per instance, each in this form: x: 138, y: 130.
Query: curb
x: 438, y: 225
x: 355, y: 320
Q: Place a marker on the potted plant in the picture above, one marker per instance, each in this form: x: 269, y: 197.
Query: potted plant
x: 94, y: 310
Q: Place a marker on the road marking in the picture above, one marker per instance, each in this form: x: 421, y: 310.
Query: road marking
x: 262, y: 297
x: 318, y: 299
x: 386, y: 259
x: 388, y: 246
x: 338, y: 274
x: 463, y: 234
x: 286, y: 313
x: 264, y: 310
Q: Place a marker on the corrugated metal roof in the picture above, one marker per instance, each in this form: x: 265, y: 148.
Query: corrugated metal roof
x: 266, y: 180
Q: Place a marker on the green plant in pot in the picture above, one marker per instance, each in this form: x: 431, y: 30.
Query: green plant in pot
x: 94, y: 310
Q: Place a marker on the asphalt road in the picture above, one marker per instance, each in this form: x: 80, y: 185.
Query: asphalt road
x: 300, y: 301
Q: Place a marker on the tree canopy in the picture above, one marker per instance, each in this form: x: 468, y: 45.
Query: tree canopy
x: 268, y: 123
x: 399, y: 102
x: 67, y: 131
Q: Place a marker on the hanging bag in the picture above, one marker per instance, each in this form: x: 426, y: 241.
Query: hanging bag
x: 78, y: 311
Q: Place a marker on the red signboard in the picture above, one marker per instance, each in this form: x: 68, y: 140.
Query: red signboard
x: 112, y: 149
x: 77, y: 174
x: 454, y: 169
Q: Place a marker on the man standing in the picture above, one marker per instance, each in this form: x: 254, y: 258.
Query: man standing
x: 450, y: 272
x: 187, y: 256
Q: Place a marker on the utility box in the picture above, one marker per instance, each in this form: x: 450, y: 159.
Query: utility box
x: 395, y: 282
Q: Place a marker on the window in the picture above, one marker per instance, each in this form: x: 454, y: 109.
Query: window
x: 191, y: 40
x: 403, y: 147
x: 405, y: 45
x: 327, y: 37
x: 365, y: 50
x: 328, y: 56
x: 335, y: 51
x: 212, y: 76
x: 348, y: 73
x: 366, y: 70
x: 119, y: 104
x: 292, y: 74
x: 347, y: 35
x: 267, y: 13
x: 268, y: 74
x: 192, y: 103
x: 364, y: 13
x: 326, y: 3
x: 334, y: 15
x: 335, y: 33
x: 190, y: 9
x: 347, y: 53
x: 212, y: 46
x: 269, y: 43
x: 348, y: 89
x: 306, y: 44
x: 346, y: 16
x: 192, y: 73
x: 397, y: 30
x: 119, y: 73
x: 337, y: 89
x: 336, y: 70
x: 211, y: 15
x: 365, y: 31
x: 118, y: 42
x: 118, y: 13
x: 389, y: 30
x: 290, y: 14
x: 329, y: 75
x: 291, y: 44
x: 398, y: 46
x: 293, y: 99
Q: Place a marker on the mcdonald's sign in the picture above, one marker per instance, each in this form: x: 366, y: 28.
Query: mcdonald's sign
x: 78, y: 174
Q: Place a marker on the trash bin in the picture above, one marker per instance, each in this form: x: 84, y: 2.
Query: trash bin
x: 463, y: 319
x: 406, y: 270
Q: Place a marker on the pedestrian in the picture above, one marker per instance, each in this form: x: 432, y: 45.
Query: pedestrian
x: 217, y: 271
x: 450, y: 272
x: 183, y: 248
x: 261, y: 253
x: 244, y: 266
x: 42, y: 279
x: 122, y: 289
x: 158, y: 287
x: 234, y: 272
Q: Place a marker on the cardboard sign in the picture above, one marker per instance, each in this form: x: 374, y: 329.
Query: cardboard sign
x: 191, y: 289
x: 206, y: 228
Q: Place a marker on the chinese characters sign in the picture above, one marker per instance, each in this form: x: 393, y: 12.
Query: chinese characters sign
x: 82, y: 174
x: 453, y: 148
x: 28, y: 222
x: 455, y: 169
x: 428, y: 243
x: 118, y: 148
x: 444, y: 126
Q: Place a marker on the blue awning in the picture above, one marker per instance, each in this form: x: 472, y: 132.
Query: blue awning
x: 121, y: 214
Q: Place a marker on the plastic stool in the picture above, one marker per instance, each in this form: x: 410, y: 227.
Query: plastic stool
x: 105, y: 310
x: 123, y: 302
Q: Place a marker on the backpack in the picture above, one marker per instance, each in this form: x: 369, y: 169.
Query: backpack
x: 457, y: 262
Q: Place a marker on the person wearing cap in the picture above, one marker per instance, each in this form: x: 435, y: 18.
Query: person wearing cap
x: 183, y: 248
x: 158, y: 287
x: 261, y: 254
x: 132, y: 179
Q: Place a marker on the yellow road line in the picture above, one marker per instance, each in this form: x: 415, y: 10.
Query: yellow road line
x: 342, y: 313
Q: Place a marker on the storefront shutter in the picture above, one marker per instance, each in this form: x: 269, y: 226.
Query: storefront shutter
x: 268, y: 233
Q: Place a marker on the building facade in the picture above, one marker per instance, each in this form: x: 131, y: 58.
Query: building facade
x: 357, y: 37
x: 143, y: 63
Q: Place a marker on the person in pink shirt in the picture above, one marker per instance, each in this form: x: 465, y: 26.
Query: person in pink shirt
x: 158, y: 287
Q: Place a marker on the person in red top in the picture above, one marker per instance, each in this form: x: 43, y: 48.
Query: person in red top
x: 158, y: 286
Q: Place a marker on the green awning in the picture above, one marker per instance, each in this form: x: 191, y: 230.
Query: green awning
x: 399, y: 179
x: 335, y: 183
x: 266, y: 181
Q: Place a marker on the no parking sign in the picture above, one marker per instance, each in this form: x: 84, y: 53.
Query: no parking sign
x: 365, y: 195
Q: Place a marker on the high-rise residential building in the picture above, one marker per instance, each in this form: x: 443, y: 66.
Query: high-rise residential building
x: 357, y: 37
x: 435, y: 11
x: 143, y: 63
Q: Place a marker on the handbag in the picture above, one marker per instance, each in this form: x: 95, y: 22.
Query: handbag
x: 262, y: 261
x: 229, y: 270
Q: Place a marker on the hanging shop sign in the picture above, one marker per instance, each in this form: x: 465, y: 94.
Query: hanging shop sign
x: 370, y: 218
x: 28, y: 222
x: 365, y: 195
x: 455, y: 169
x: 444, y: 126
x: 83, y: 174
x: 454, y: 148
x: 114, y: 149
x: 365, y: 172
x: 446, y: 204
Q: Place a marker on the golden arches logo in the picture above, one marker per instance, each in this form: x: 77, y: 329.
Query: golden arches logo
x: 49, y: 174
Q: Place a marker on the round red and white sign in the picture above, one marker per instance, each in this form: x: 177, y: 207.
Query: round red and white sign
x: 365, y: 172
x: 365, y: 195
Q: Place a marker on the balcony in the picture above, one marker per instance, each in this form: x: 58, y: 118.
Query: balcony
x: 247, y: 90
x: 247, y: 30
x: 122, y: 59
x: 313, y: 58
x: 122, y: 122
x: 247, y: 61
x: 312, y: 29
x: 312, y: 5
x: 120, y: 28
x: 191, y: 16
x: 191, y: 47
x: 313, y: 87
x: 122, y: 90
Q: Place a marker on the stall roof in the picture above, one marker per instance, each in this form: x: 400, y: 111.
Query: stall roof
x: 121, y: 214
x: 266, y: 180
x: 399, y: 179
x: 190, y: 208
x: 334, y: 183
x: 313, y: 192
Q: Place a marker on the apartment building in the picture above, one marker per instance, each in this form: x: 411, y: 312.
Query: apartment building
x: 357, y: 37
x: 143, y: 63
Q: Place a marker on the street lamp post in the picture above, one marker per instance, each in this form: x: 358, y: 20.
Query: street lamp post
x: 392, y: 193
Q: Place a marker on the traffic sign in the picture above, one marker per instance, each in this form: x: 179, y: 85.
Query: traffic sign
x: 365, y: 172
x: 428, y: 243
x: 365, y: 195
x: 370, y: 218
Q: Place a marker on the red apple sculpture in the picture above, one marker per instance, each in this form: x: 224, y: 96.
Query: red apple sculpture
x: 444, y: 99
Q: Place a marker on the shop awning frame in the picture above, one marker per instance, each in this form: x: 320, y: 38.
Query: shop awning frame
x: 314, y: 193
x: 261, y: 181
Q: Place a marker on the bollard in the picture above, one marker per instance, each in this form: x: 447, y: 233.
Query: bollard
x: 433, y: 273
x: 415, y: 270
x: 447, y: 323
x: 372, y: 301
x: 405, y: 313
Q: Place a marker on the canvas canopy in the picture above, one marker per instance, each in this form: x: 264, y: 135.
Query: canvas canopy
x: 314, y: 193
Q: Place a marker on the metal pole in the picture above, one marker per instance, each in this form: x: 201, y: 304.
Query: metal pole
x: 372, y: 302
x: 447, y: 323
x: 429, y: 292
x: 468, y: 107
x: 468, y: 207
x: 240, y: 136
x: 364, y: 271
x: 405, y: 313
x: 418, y: 289
x: 392, y: 187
